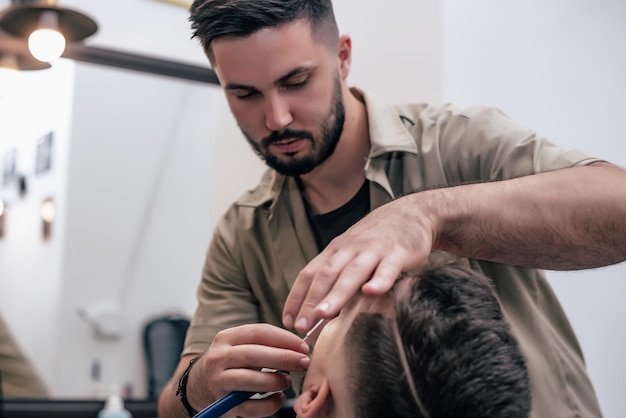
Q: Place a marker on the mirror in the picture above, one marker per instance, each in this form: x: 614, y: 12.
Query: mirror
x: 130, y: 175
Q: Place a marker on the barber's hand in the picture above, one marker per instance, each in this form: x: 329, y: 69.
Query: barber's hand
x: 234, y: 361
x: 369, y: 256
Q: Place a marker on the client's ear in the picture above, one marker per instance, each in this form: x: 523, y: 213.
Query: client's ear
x: 314, y: 401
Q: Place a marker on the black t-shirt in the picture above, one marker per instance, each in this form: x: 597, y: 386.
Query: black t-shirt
x: 327, y: 226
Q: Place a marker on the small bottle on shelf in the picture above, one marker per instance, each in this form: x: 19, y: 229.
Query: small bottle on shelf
x: 114, y: 406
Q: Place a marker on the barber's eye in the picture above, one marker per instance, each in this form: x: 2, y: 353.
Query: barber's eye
x: 245, y: 95
x: 296, y: 85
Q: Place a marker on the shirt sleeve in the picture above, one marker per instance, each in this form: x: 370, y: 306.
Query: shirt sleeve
x: 484, y: 144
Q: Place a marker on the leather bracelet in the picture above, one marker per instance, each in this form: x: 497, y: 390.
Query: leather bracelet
x: 182, y: 389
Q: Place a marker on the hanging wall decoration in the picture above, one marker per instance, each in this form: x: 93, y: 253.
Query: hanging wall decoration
x: 9, y: 166
x: 45, y: 149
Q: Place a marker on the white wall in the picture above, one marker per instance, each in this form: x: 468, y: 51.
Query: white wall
x: 147, y: 27
x: 559, y: 68
x: 396, y: 47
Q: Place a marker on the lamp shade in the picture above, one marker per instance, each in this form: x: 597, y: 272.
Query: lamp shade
x: 22, y: 19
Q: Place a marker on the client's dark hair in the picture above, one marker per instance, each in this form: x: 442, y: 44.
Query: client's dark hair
x: 448, y: 353
x: 214, y: 19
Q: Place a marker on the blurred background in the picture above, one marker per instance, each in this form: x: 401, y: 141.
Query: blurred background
x: 136, y: 167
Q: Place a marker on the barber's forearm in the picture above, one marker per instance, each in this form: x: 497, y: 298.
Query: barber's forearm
x: 562, y: 220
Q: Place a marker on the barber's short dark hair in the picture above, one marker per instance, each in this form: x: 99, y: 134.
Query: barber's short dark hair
x: 214, y: 19
x: 449, y: 332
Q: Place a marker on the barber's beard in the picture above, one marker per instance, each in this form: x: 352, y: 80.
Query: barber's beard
x: 330, y: 132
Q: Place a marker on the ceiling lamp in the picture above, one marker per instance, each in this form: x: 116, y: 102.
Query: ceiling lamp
x: 46, y: 26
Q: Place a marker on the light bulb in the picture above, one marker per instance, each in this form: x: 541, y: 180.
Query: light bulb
x: 47, y: 210
x: 46, y: 44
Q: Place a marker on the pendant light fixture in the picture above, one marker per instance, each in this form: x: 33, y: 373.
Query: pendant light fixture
x: 46, y: 26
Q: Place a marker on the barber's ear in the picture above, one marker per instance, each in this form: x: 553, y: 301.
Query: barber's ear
x: 314, y: 401
x: 344, y: 54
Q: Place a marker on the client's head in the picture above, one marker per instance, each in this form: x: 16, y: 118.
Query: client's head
x: 436, y: 346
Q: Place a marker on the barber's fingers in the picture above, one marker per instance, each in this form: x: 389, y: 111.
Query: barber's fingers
x: 296, y: 297
x: 312, y: 284
x: 254, y: 347
x: 386, y: 274
x: 257, y: 357
x: 325, y: 285
x: 369, y: 273
x: 255, y: 381
x: 278, y: 350
x: 327, y: 300
x: 229, y: 367
x: 261, y: 334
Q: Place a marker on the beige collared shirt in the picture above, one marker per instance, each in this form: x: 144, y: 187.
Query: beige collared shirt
x: 264, y: 239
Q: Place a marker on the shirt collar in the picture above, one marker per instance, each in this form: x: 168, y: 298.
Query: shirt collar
x: 387, y: 126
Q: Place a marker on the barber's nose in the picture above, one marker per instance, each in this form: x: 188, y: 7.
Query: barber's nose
x: 277, y: 114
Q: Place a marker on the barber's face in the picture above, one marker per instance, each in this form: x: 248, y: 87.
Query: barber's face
x: 285, y: 91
